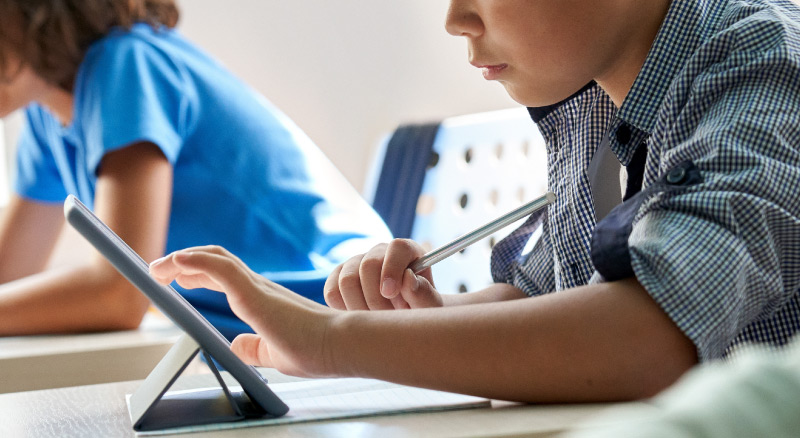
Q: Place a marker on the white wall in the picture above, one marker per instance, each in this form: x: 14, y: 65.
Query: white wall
x: 347, y: 71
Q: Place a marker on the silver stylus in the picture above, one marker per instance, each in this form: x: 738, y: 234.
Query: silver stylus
x: 468, y: 239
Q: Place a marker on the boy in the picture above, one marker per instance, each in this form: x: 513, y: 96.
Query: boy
x: 170, y: 149
x: 698, y: 101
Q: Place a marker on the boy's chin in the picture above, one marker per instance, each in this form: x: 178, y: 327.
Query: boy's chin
x: 530, y: 99
x: 535, y: 98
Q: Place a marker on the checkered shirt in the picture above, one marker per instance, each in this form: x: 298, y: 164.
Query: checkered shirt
x: 720, y: 88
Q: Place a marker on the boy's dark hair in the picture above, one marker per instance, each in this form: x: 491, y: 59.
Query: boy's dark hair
x: 52, y: 36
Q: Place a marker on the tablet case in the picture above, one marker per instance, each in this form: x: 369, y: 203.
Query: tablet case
x: 151, y: 406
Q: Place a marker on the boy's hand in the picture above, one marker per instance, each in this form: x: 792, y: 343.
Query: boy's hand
x: 381, y: 280
x: 291, y: 331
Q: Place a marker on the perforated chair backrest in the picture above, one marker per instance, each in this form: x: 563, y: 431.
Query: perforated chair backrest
x: 481, y: 166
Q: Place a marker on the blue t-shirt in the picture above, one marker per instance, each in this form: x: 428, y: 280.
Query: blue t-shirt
x: 245, y: 177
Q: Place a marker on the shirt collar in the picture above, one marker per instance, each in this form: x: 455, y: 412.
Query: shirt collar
x: 686, y: 25
x: 539, y: 113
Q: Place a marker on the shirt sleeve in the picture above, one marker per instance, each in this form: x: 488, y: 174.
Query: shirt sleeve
x: 723, y: 253
x: 36, y: 174
x: 129, y: 91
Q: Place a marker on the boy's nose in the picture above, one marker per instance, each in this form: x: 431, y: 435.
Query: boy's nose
x: 462, y: 19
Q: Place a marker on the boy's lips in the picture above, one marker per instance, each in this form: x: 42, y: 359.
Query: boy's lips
x: 491, y: 72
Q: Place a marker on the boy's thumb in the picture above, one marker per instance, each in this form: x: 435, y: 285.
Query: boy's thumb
x: 418, y: 292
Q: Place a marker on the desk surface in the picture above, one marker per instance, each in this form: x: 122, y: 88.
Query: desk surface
x: 56, y: 361
x: 100, y: 410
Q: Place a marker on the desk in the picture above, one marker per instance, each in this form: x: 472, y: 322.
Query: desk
x: 100, y: 411
x: 56, y: 361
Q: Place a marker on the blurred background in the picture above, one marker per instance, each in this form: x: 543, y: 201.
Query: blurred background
x: 348, y: 72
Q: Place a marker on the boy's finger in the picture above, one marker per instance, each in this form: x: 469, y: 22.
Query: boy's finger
x: 350, y: 285
x: 196, y: 281
x: 418, y: 292
x: 224, y: 273
x: 252, y: 349
x: 399, y: 302
x: 370, y: 275
x: 164, y: 269
x: 399, y: 254
x: 331, y: 292
x: 170, y: 266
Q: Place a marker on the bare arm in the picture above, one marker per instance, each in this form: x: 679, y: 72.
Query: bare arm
x: 28, y: 233
x: 133, y: 196
x: 594, y: 343
x: 599, y: 342
x: 494, y: 293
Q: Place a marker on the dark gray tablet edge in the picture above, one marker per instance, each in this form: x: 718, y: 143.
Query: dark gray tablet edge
x: 171, y: 303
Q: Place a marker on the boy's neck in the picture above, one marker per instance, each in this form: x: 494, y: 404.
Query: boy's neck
x: 618, y: 79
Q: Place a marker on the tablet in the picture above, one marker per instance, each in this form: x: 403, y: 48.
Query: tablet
x: 174, y: 306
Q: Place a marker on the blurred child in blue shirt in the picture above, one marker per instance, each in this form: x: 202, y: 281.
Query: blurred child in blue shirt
x: 170, y: 149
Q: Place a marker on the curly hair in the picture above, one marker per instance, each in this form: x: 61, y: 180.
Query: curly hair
x: 52, y: 36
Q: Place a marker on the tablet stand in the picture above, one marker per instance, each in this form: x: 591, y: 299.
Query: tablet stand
x: 152, y: 407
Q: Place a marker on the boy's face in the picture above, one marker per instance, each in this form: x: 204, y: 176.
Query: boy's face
x: 542, y: 51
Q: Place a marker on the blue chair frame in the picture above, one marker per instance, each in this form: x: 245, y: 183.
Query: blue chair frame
x: 437, y: 181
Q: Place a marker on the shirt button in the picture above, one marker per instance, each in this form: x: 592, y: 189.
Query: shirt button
x: 676, y: 175
x: 623, y: 134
